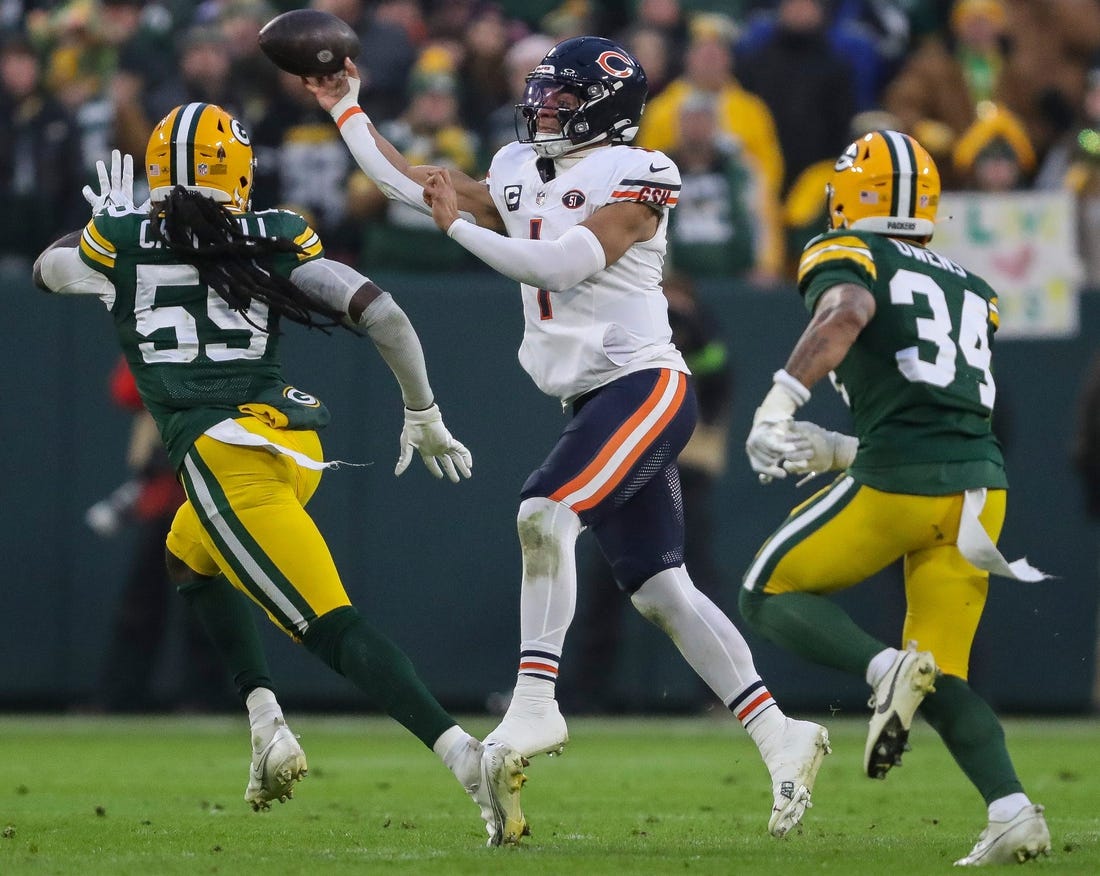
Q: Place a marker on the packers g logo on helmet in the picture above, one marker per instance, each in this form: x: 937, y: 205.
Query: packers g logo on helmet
x: 201, y: 147
x: 885, y: 182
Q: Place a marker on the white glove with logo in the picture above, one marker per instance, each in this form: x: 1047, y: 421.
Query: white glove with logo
x: 441, y: 453
x: 818, y: 450
x: 116, y: 189
x: 768, y: 443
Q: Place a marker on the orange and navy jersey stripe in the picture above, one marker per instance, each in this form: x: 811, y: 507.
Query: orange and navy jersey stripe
x: 620, y: 453
x: 645, y: 191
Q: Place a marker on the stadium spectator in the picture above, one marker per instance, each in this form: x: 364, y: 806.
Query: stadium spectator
x: 994, y: 154
x: 654, y: 52
x: 708, y: 68
x: 1028, y: 57
x: 386, y: 54
x: 41, y: 163
x: 586, y: 222
x: 244, y: 443
x: 1073, y: 164
x: 727, y: 222
x: 205, y: 75
x: 924, y: 458
x: 806, y: 79
x: 302, y: 165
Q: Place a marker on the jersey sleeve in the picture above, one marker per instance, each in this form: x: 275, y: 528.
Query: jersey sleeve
x: 645, y: 177
x: 98, y: 249
x: 290, y: 225
x: 831, y: 259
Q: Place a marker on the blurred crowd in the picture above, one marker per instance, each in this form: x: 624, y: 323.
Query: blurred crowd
x: 752, y: 98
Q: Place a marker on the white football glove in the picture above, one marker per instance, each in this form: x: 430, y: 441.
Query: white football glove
x: 441, y: 453
x: 818, y: 450
x: 116, y: 189
x: 768, y: 443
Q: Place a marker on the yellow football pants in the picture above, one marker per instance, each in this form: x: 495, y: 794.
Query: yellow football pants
x: 245, y: 517
x: 848, y: 532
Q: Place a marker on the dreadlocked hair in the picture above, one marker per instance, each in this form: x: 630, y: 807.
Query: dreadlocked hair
x: 235, y: 264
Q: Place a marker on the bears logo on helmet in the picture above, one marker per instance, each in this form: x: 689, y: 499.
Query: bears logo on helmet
x: 201, y: 147
x: 609, y: 86
x: 885, y: 182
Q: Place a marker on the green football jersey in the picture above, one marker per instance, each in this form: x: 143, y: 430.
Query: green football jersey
x: 194, y: 359
x: 918, y: 379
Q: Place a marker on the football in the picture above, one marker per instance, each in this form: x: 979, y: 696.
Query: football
x: 308, y: 42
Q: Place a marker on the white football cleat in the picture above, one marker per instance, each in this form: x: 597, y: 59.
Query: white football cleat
x: 894, y: 702
x: 1021, y: 838
x: 794, y: 768
x: 531, y: 726
x: 502, y: 778
x: 276, y: 767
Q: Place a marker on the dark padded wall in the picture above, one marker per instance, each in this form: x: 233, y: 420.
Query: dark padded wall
x: 437, y: 565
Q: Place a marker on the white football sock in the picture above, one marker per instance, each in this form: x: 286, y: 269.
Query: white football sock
x: 707, y: 638
x: 263, y: 711
x: 880, y: 664
x: 1006, y: 808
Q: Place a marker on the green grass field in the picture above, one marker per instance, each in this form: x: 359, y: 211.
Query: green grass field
x: 163, y: 795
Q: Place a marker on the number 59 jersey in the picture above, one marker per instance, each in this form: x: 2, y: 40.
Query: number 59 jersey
x: 194, y: 359
x: 615, y: 322
x: 919, y: 377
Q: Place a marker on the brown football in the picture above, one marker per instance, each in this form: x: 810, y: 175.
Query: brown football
x: 308, y: 42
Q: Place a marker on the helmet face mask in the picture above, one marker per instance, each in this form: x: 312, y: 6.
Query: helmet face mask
x: 203, y: 148
x: 592, y: 87
x: 885, y: 182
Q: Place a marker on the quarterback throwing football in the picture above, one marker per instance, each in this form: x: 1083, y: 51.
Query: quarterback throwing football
x: 579, y: 218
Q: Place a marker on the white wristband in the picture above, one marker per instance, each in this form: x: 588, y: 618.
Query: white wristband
x: 792, y: 385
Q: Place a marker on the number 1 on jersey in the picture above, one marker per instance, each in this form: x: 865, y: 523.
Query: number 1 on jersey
x: 546, y: 310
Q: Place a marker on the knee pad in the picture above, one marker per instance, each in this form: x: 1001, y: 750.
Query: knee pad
x: 548, y: 533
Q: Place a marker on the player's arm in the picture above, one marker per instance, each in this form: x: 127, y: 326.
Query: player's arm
x: 840, y: 315
x: 380, y: 160
x: 59, y: 268
x: 344, y: 289
x: 556, y: 265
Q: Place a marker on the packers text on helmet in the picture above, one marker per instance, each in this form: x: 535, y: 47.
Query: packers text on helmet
x: 885, y: 182
x: 201, y: 147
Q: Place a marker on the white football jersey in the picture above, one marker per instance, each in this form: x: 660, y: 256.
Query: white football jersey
x: 616, y: 321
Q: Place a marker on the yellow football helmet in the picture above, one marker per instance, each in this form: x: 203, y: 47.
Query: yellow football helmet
x: 885, y: 182
x: 201, y: 147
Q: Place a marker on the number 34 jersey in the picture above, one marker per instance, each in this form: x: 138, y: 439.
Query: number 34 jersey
x: 919, y: 377
x: 616, y: 321
x: 194, y: 359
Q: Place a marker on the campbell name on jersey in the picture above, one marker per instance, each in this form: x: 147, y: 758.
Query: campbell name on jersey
x: 195, y: 360
x: 918, y: 379
x: 616, y: 322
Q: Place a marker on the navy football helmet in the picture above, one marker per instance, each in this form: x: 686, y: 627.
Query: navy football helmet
x: 609, y: 86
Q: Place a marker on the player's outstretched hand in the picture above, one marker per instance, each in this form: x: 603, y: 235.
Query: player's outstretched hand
x: 441, y: 453
x: 116, y: 189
